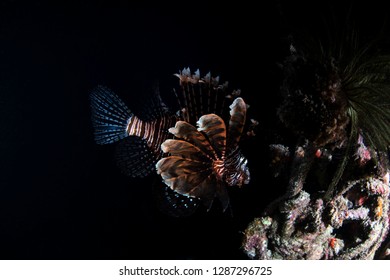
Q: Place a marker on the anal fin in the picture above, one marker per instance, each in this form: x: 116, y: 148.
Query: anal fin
x: 174, y: 204
x: 134, y: 157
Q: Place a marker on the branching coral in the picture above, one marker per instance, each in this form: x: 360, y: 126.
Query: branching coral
x: 350, y: 226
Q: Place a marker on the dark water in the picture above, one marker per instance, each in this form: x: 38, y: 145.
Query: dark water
x: 61, y: 196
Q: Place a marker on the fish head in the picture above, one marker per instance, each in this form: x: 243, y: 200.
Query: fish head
x: 237, y: 171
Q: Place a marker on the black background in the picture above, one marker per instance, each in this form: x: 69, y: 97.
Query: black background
x: 61, y: 195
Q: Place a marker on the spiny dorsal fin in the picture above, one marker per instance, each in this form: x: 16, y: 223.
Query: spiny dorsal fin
x: 200, y: 96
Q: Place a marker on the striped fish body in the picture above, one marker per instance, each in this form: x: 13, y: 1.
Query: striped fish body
x: 153, y: 132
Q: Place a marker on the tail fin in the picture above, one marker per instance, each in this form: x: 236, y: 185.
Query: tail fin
x: 110, y: 116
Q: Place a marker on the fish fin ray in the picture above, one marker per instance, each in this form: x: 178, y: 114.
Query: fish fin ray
x: 184, y: 149
x: 134, y: 158
x: 154, y: 107
x: 214, y: 127
x: 174, y: 204
x: 236, y: 122
x: 110, y: 116
x: 189, y: 133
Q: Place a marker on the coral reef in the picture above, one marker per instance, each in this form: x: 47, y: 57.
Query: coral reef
x: 336, y: 170
x: 352, y: 225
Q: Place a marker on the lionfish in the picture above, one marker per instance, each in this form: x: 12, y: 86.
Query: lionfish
x: 197, y: 163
